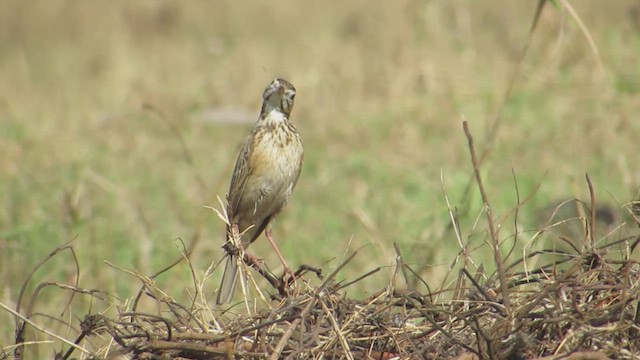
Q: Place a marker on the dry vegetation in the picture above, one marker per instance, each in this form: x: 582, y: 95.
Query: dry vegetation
x: 119, y: 121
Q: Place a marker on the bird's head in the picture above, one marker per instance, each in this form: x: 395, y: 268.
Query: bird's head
x: 279, y: 95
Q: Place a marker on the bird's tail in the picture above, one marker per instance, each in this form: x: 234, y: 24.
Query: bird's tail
x: 229, y: 280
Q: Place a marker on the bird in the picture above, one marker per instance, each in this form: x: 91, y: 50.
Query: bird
x: 264, y: 177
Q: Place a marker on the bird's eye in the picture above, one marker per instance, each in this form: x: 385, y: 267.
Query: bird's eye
x: 293, y: 96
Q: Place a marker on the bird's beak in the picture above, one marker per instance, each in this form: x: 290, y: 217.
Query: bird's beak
x: 275, y: 87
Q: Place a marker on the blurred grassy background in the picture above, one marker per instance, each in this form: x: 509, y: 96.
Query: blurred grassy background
x: 120, y: 120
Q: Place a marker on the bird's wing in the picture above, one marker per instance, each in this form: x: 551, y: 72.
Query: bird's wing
x: 239, y: 178
x: 297, y: 175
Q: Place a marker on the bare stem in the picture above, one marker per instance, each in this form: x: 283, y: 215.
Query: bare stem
x: 495, y: 242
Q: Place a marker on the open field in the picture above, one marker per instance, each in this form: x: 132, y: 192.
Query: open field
x: 120, y: 121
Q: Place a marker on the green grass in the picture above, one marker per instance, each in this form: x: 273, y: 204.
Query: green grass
x: 382, y: 89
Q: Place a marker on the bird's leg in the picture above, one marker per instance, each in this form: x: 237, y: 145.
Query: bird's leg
x: 234, y: 250
x: 233, y: 246
x: 287, y: 269
x: 252, y: 260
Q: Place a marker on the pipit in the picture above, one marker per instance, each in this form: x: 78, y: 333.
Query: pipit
x: 266, y: 172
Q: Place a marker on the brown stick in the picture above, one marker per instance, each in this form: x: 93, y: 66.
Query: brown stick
x: 287, y: 334
x: 592, y: 214
x: 495, y: 242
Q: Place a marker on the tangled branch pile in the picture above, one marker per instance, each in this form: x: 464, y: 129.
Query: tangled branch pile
x: 584, y: 306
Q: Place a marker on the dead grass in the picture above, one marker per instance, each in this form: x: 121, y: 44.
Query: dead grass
x: 583, y: 305
x: 112, y: 133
